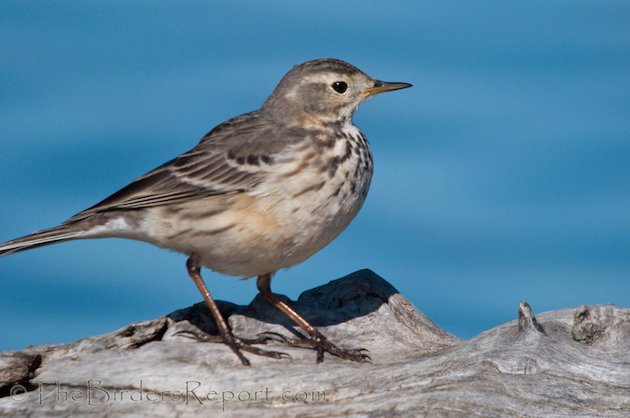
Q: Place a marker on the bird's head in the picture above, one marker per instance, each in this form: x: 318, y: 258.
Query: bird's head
x: 327, y: 90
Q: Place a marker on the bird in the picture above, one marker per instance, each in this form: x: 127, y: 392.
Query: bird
x: 260, y: 192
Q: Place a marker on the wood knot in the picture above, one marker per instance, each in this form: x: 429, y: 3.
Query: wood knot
x: 587, y: 325
x: 526, y: 319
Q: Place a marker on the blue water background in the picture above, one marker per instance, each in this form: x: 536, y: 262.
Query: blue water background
x: 503, y: 175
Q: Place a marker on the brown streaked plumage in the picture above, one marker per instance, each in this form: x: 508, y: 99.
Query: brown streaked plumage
x: 260, y: 192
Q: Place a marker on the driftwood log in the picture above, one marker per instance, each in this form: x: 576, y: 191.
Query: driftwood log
x: 573, y: 362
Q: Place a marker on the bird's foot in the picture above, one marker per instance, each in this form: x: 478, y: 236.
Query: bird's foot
x: 320, y: 344
x: 237, y: 344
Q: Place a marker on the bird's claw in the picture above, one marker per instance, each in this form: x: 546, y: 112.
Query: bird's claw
x: 270, y: 336
x: 199, y: 337
x: 319, y: 344
x: 238, y: 344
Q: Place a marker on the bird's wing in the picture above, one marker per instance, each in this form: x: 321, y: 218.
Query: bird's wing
x: 232, y: 158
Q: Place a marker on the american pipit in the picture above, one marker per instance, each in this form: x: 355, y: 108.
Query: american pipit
x: 262, y: 191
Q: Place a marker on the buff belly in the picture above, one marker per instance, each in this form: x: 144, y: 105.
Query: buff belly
x: 245, y: 235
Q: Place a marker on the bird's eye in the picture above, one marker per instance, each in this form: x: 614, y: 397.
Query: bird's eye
x: 340, y: 86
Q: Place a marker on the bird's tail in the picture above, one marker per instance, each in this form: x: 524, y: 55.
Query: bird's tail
x: 65, y: 232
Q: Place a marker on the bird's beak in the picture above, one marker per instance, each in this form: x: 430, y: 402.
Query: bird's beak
x: 383, y: 86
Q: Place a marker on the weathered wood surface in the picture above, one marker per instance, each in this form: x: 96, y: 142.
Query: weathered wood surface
x: 572, y: 362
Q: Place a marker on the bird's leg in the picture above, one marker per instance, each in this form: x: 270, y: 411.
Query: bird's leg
x: 317, y: 340
x: 235, y: 343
